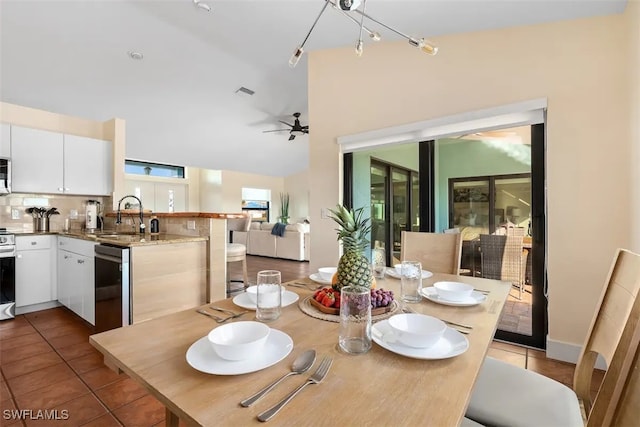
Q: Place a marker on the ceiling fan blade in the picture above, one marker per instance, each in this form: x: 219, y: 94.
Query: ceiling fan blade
x: 276, y: 130
x: 305, y: 127
x: 290, y: 125
x: 305, y: 130
x: 292, y: 137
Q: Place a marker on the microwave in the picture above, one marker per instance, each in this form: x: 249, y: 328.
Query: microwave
x: 5, y: 176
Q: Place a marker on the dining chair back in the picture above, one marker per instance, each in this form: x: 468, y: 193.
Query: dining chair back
x: 609, y: 320
x: 438, y: 252
x: 618, y: 400
x: 502, y: 258
x: 506, y: 394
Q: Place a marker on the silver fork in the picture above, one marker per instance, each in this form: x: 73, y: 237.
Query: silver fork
x: 233, y: 314
x: 316, y: 378
x: 220, y: 319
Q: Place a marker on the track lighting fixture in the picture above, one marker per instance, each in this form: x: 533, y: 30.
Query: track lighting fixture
x: 344, y: 7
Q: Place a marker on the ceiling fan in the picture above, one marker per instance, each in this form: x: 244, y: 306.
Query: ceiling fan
x: 296, y: 129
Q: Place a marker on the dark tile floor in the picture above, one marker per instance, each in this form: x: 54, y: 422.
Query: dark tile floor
x: 47, y: 363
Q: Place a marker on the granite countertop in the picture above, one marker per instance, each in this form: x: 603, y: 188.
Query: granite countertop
x: 215, y: 215
x: 126, y: 240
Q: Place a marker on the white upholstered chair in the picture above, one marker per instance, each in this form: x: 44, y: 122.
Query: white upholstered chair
x: 237, y: 252
x: 507, y: 395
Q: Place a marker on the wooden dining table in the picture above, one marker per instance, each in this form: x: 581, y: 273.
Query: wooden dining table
x: 377, y: 388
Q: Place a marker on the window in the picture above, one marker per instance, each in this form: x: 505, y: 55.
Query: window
x: 483, y: 204
x: 135, y: 167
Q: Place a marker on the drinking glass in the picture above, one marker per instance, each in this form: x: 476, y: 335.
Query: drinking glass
x: 269, y: 295
x: 378, y: 262
x: 411, y: 281
x: 355, y: 320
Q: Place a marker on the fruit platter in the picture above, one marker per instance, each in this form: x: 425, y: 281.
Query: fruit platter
x: 327, y: 300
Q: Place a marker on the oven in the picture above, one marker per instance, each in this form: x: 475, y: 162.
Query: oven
x: 7, y: 275
x: 5, y: 176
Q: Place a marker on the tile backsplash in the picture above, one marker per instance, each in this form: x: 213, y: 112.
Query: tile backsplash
x: 65, y: 205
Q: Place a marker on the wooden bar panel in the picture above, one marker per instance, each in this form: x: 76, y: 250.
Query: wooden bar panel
x: 167, y: 278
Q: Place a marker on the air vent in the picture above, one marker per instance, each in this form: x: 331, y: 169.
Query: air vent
x: 245, y: 91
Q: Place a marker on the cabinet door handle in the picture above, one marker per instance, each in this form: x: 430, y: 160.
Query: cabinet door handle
x: 66, y: 189
x: 80, y: 261
x: 19, y: 256
x: 34, y: 243
x: 60, y: 189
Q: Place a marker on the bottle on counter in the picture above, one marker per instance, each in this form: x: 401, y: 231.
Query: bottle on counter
x: 154, y: 226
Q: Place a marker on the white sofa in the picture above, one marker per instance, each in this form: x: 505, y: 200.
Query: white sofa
x: 294, y: 244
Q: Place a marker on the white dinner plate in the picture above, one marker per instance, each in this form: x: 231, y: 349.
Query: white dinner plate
x: 243, y: 300
x: 452, y: 343
x: 202, y: 357
x: 431, y: 294
x: 392, y: 272
x: 316, y: 278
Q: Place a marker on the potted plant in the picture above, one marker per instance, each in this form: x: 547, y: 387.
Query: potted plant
x: 284, y: 208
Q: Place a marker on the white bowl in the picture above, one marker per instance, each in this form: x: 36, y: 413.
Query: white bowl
x: 252, y: 291
x: 326, y: 273
x: 398, y: 268
x: 417, y: 330
x: 239, y: 340
x: 453, y: 291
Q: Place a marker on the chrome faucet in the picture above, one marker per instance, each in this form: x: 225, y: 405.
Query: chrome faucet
x: 119, y: 214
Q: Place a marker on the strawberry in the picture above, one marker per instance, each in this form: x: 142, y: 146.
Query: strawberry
x: 336, y: 304
x: 328, y: 300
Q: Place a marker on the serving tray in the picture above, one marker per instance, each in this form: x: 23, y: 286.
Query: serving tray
x: 336, y: 310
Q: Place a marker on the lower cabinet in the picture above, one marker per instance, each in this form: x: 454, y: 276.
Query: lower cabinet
x: 76, y: 281
x: 35, y: 270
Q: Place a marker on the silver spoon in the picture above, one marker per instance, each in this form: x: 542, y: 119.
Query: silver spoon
x: 300, y: 365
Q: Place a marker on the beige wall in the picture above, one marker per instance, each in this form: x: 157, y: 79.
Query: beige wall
x: 632, y: 14
x: 297, y: 186
x: 579, y: 66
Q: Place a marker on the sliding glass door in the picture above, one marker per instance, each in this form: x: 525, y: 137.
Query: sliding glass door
x: 394, y: 206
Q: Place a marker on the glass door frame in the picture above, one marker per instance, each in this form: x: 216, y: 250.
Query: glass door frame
x: 390, y: 201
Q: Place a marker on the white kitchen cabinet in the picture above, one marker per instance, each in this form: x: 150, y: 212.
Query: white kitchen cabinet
x: 158, y: 196
x: 87, y: 166
x: 53, y: 163
x: 170, y: 197
x: 76, y: 281
x: 5, y: 140
x: 37, y: 161
x: 35, y: 270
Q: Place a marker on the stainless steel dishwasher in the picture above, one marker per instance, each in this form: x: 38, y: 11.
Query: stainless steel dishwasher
x: 113, y: 287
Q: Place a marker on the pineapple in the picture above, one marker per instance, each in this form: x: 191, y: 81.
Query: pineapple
x: 353, y: 267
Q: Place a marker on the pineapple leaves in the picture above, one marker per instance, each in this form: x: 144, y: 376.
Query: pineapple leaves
x: 353, y: 227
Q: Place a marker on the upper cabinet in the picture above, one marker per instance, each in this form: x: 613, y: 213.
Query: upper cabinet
x: 5, y: 140
x: 53, y: 163
x: 37, y: 160
x: 87, y: 165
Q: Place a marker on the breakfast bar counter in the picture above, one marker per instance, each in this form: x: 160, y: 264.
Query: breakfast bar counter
x: 380, y: 387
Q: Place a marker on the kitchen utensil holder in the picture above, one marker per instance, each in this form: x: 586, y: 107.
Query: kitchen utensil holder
x: 41, y: 224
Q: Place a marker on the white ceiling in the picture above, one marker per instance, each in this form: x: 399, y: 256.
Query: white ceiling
x: 179, y: 103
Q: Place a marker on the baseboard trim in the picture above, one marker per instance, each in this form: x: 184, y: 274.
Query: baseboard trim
x: 37, y: 307
x: 567, y: 352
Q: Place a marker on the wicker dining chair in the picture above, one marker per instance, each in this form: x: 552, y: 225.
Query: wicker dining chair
x: 501, y: 258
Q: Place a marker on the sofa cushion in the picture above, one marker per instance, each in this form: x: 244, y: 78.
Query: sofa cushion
x: 295, y: 227
x: 255, y: 226
x: 266, y: 226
